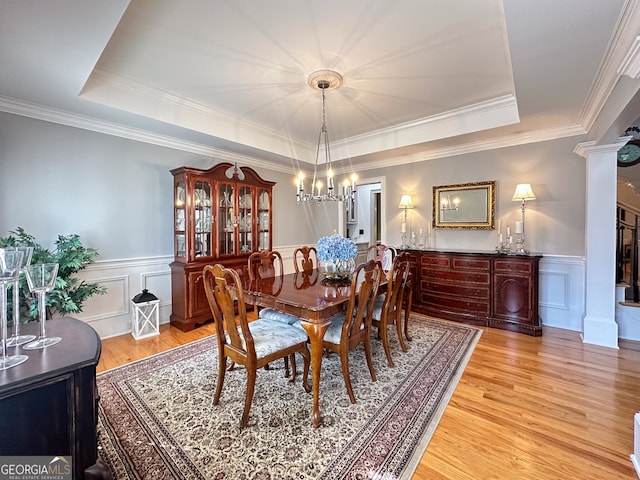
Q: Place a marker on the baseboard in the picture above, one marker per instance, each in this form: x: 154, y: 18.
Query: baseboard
x: 635, y: 456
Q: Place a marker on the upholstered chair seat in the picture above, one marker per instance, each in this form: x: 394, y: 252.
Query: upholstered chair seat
x: 269, y: 336
x: 275, y: 315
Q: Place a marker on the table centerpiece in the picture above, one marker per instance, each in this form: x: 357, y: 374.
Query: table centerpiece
x: 336, y: 257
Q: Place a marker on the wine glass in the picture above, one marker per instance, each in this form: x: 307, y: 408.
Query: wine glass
x: 41, y: 279
x: 10, y: 261
x: 17, y: 339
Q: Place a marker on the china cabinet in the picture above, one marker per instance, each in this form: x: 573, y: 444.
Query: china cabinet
x: 221, y: 215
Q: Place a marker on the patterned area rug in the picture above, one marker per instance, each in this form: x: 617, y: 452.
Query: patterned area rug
x: 157, y: 421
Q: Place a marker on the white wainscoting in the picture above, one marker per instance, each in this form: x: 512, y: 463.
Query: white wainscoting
x: 561, y: 298
x: 561, y: 301
x: 110, y: 314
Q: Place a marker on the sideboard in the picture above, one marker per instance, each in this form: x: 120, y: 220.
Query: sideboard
x: 480, y: 288
x: 48, y: 404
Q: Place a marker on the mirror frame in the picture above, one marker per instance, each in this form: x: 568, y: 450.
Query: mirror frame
x: 483, y: 220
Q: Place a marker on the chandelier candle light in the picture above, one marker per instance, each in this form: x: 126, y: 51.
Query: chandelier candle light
x: 324, y: 80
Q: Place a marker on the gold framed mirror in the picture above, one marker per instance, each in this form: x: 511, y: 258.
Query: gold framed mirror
x: 464, y: 205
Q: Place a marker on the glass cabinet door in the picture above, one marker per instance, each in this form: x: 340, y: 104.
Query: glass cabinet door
x: 264, y: 220
x: 180, y: 219
x: 245, y: 219
x: 202, y: 219
x: 226, y: 219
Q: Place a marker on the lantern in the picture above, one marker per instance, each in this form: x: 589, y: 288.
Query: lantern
x: 145, y: 321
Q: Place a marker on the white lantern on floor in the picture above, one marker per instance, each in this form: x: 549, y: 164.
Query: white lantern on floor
x: 145, y: 321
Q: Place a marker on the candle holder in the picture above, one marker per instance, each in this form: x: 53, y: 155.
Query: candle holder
x: 41, y: 279
x: 10, y: 261
x: 16, y: 339
x: 403, y: 240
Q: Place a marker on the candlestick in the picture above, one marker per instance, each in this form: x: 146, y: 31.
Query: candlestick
x: 403, y: 228
x: 508, y: 231
x: 519, y: 226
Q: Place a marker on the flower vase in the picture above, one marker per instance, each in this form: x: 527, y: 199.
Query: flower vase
x: 337, y: 269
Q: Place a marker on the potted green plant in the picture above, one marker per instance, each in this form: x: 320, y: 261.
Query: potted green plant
x: 70, y: 292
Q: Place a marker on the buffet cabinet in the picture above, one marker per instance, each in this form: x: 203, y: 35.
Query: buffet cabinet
x: 49, y: 404
x: 486, y: 289
x: 221, y: 215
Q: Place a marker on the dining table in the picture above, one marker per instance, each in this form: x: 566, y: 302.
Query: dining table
x: 314, y: 299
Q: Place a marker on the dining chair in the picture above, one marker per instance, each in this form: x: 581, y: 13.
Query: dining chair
x: 253, y: 344
x: 353, y: 327
x: 383, y: 253
x: 265, y: 265
x: 268, y: 265
x: 305, y: 259
x: 388, y: 309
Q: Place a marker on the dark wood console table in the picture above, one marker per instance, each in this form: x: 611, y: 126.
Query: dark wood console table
x: 479, y: 288
x: 48, y: 404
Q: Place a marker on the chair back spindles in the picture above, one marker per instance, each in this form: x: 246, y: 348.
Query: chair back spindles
x: 265, y: 264
x: 364, y: 288
x: 383, y: 253
x: 305, y: 259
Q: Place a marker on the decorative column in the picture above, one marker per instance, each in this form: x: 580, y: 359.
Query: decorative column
x: 599, y: 326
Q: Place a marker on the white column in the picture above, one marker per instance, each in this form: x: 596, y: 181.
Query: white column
x: 599, y: 325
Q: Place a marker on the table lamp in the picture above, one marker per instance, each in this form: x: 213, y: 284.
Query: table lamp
x: 523, y: 194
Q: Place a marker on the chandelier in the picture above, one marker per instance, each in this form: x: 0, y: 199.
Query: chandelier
x: 449, y: 205
x: 323, y: 80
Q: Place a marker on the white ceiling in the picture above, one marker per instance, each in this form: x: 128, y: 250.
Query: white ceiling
x: 422, y: 78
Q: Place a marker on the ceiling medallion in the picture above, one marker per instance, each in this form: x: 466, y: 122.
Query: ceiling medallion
x: 324, y: 80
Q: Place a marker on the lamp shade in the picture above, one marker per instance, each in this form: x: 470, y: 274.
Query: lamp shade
x: 523, y: 192
x: 406, y: 202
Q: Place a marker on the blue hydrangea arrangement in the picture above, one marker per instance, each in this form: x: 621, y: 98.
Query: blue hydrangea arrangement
x: 336, y: 247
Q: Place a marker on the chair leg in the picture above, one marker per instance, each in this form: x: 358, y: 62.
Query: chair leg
x: 292, y: 377
x: 286, y: 366
x: 305, y: 374
x: 222, y: 369
x: 382, y: 332
x: 367, y: 352
x: 251, y: 383
x: 403, y: 345
x: 344, y: 362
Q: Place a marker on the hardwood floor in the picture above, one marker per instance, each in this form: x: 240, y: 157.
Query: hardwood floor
x: 526, y: 407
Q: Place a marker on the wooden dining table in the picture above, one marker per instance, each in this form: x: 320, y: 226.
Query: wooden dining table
x: 314, y: 300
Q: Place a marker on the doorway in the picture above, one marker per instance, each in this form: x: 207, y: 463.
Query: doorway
x: 375, y: 217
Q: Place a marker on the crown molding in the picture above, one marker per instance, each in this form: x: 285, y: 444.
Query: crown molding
x: 131, y: 95
x: 61, y: 117
x: 473, y: 147
x: 493, y: 113
x: 631, y: 64
x: 39, y: 112
x: 620, y: 57
x: 585, y: 149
